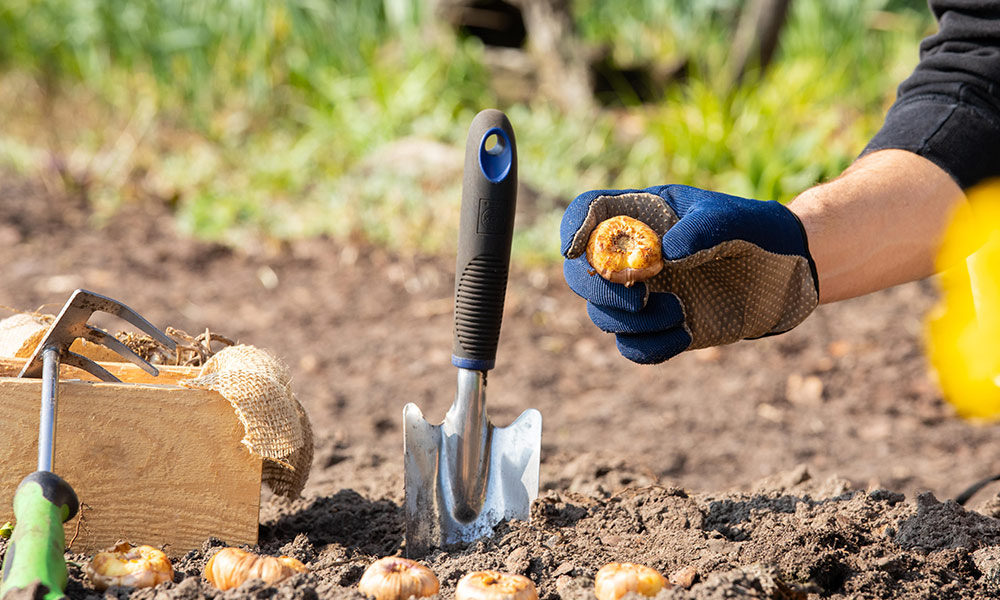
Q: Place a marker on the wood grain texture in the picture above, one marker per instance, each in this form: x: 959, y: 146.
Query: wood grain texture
x: 127, y: 372
x: 155, y: 464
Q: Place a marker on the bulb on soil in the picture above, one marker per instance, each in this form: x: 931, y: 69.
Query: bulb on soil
x: 230, y: 567
x: 624, y: 250
x: 397, y: 578
x: 494, y: 585
x: 127, y: 566
x: 614, y: 580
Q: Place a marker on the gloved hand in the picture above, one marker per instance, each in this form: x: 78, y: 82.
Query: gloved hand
x: 733, y: 269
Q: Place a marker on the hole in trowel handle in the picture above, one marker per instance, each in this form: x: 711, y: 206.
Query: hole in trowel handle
x: 496, y: 155
x: 493, y: 144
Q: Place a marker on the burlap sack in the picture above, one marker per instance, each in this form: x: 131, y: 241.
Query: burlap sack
x: 21, y: 332
x: 277, y: 428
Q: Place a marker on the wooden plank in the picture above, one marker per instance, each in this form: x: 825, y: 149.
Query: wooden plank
x: 127, y: 372
x: 155, y: 464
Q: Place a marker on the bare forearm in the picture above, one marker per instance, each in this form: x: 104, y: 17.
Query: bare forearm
x: 879, y: 224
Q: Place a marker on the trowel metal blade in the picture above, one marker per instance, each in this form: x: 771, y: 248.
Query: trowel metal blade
x: 433, y: 516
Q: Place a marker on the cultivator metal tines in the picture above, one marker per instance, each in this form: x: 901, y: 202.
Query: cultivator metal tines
x: 71, y: 323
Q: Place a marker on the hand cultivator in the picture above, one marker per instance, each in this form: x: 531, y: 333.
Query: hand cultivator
x: 465, y: 475
x: 44, y: 501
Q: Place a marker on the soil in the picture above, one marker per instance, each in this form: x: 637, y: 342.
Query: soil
x: 818, y: 463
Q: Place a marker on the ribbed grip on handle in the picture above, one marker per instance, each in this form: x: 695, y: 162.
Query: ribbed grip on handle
x: 486, y: 228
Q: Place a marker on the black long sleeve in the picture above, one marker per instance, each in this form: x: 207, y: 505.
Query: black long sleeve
x: 948, y: 110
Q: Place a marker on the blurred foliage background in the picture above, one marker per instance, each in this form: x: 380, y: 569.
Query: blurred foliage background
x: 257, y: 119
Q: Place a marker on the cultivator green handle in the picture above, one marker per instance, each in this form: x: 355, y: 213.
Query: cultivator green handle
x: 42, y: 503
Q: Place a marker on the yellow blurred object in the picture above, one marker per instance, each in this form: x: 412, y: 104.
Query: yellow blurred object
x: 963, y: 331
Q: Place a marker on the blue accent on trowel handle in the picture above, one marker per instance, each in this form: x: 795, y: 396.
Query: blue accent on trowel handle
x: 472, y: 364
x: 495, y: 162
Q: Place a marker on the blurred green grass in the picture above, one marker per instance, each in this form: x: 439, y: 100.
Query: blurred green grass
x: 282, y: 120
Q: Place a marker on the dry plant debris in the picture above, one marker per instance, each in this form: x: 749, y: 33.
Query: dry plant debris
x: 192, y: 351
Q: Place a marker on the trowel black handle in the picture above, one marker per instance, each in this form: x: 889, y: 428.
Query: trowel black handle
x: 489, y: 199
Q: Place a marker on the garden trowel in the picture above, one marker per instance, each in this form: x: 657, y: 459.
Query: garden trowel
x: 464, y: 476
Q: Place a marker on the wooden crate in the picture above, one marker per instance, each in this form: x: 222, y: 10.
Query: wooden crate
x: 153, y: 463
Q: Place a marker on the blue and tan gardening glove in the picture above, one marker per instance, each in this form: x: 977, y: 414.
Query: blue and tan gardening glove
x: 733, y: 269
